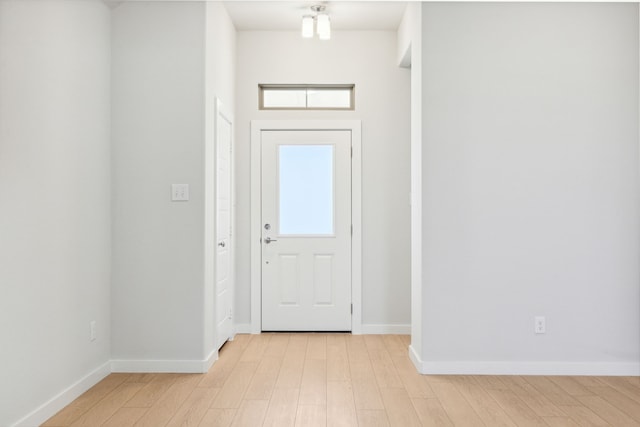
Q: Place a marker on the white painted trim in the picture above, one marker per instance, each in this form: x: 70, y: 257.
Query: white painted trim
x: 164, y: 366
x: 355, y: 126
x: 243, y: 328
x: 414, y: 15
x: 369, y: 329
x: 524, y: 368
x: 356, y: 220
x: 62, y: 399
x: 256, y: 265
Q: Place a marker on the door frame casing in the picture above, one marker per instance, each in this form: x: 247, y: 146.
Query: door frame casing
x: 354, y: 126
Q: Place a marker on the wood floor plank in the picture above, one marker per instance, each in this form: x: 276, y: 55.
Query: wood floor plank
x: 165, y: 408
x: 458, y: 409
x: 256, y: 348
x: 356, y: 349
x: 283, y: 407
x: 570, y: 386
x: 311, y: 416
x: 235, y: 386
x: 384, y: 369
x: 489, y: 411
x: 416, y: 385
x: 264, y: 379
x: 337, y: 358
x: 125, y: 417
x: 551, y: 391
x: 251, y: 413
x: 277, y: 346
x: 341, y: 407
x: 152, y: 391
x: 399, y: 407
x: 216, y: 378
x: 317, y: 347
x: 622, y: 401
x: 491, y: 382
x: 99, y: 414
x: 194, y: 408
x: 532, y: 397
x: 85, y: 401
x: 372, y: 418
x: 560, y: 422
x: 431, y: 413
x: 141, y: 377
x: 374, y: 342
x: 584, y: 416
x: 365, y: 386
x: 624, y: 385
x: 607, y: 412
x: 290, y: 374
x: 218, y: 418
x: 590, y: 381
x: 367, y: 395
x: 395, y: 345
x: 517, y: 410
x: 313, y: 386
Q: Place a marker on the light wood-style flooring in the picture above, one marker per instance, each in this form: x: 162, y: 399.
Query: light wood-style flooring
x: 345, y: 380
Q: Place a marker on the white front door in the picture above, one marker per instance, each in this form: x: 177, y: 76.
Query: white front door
x: 306, y: 230
x: 224, y: 271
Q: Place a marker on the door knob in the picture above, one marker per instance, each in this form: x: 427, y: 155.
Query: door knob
x: 222, y: 244
x: 268, y: 240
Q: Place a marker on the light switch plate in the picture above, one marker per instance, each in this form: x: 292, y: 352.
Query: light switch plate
x: 540, y: 326
x: 179, y: 192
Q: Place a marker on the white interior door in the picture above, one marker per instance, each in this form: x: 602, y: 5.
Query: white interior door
x: 306, y: 230
x: 224, y: 271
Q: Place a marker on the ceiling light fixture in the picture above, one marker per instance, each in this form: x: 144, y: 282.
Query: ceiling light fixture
x: 323, y: 23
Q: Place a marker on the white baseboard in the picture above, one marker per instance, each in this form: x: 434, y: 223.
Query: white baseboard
x: 385, y: 329
x: 417, y: 362
x: 242, y: 328
x: 524, y: 368
x: 68, y: 395
x: 208, y: 363
x: 164, y: 366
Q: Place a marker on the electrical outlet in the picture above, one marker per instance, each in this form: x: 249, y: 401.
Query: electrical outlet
x: 92, y: 330
x: 540, y: 326
x: 180, y: 192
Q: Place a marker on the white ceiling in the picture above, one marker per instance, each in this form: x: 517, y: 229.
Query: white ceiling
x: 287, y: 15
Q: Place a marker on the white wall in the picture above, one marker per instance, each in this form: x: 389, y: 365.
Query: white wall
x: 158, y: 139
x: 368, y: 59
x: 530, y: 187
x: 54, y: 209
x: 170, y: 62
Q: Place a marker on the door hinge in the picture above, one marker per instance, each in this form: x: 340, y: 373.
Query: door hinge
x: 351, y: 308
x: 351, y: 230
x: 352, y: 152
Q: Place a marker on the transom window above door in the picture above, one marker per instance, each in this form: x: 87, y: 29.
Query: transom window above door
x: 306, y: 97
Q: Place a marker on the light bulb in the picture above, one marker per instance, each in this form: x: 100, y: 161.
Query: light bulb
x: 324, y: 27
x: 307, y: 26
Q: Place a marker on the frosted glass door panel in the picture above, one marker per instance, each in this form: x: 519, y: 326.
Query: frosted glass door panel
x: 306, y: 199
